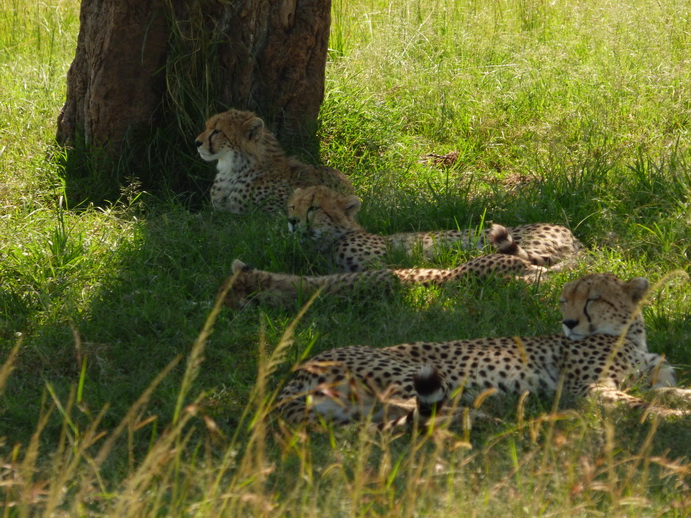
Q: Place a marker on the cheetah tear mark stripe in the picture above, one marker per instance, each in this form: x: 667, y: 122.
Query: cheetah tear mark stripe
x: 211, y: 144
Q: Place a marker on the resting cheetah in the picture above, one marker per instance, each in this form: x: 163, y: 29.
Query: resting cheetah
x: 328, y: 218
x: 353, y: 382
x: 253, y: 170
x: 283, y: 288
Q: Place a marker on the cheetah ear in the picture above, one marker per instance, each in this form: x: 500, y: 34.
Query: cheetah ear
x: 636, y: 288
x: 254, y: 128
x: 351, y: 205
x: 239, y: 266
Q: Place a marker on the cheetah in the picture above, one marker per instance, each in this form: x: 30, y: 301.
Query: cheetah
x: 248, y: 284
x: 604, y: 343
x: 253, y: 170
x: 328, y: 218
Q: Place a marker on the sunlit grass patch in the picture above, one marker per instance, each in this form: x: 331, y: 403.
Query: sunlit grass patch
x: 112, y: 403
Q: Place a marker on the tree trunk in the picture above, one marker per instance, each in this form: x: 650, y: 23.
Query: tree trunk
x: 114, y: 82
x: 274, y: 60
x: 165, y: 65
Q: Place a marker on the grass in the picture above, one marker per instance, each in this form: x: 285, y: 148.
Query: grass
x: 124, y: 392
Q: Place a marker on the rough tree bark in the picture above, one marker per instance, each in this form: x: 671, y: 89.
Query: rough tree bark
x: 114, y: 81
x: 272, y: 59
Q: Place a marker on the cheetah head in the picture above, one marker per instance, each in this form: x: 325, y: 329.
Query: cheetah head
x: 602, y: 303
x: 320, y: 212
x: 232, y: 134
x: 248, y: 286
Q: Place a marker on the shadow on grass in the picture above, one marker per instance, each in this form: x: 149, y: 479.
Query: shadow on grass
x: 158, y: 286
x: 160, y: 162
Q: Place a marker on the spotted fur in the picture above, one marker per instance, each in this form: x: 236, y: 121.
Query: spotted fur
x: 253, y: 170
x: 282, y: 288
x: 328, y: 218
x: 350, y: 383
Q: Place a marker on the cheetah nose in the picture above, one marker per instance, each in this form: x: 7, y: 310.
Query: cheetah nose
x: 198, y: 143
x: 570, y: 323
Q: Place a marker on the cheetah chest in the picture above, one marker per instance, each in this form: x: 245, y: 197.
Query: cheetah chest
x: 240, y: 186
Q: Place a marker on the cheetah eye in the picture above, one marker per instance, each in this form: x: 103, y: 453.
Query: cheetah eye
x: 562, y: 301
x: 312, y: 208
x: 215, y: 132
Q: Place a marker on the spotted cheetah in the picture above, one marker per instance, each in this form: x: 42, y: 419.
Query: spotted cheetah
x: 248, y: 283
x: 328, y: 218
x: 253, y: 170
x: 604, y: 343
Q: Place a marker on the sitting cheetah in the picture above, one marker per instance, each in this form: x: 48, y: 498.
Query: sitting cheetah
x: 282, y: 288
x: 253, y: 170
x: 328, y: 218
x: 349, y: 383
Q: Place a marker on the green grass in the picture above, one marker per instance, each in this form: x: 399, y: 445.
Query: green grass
x: 575, y: 113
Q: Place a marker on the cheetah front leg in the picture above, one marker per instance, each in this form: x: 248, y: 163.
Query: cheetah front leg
x: 608, y: 394
x: 675, y: 394
x: 660, y: 373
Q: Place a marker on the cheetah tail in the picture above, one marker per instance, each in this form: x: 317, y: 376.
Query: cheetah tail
x: 430, y: 391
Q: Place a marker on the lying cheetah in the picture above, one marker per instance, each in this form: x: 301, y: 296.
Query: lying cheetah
x: 354, y: 382
x: 248, y: 283
x: 253, y: 170
x: 328, y: 218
